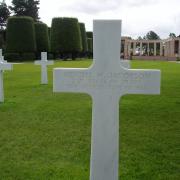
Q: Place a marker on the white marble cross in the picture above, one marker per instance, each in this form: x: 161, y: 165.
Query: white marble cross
x: 3, y: 66
x: 2, y: 57
x: 44, y: 62
x: 106, y: 81
x: 126, y: 63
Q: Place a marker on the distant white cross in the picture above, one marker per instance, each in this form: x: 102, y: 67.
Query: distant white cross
x: 44, y: 63
x: 106, y: 81
x: 1, y: 56
x: 3, y: 66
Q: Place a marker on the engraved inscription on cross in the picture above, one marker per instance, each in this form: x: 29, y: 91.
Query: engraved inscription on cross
x: 106, y: 81
x: 44, y: 63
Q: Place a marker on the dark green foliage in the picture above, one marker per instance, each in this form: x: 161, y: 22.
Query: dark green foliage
x: 25, y: 8
x: 65, y: 35
x: 83, y: 37
x: 151, y: 35
x: 20, y: 35
x: 2, y: 39
x: 12, y: 57
x: 4, y: 14
x: 49, y: 32
x: 28, y: 56
x: 89, y: 34
x: 50, y: 56
x: 172, y: 35
x: 90, y: 44
x: 90, y: 47
x: 42, y: 38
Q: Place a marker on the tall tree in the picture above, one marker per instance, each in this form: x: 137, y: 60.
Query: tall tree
x: 151, y: 35
x: 172, y: 35
x: 26, y: 8
x: 139, y: 38
x: 4, y: 14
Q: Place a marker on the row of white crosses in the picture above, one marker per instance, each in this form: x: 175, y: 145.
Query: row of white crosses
x: 7, y: 66
x: 3, y: 66
x: 44, y: 63
x: 106, y: 81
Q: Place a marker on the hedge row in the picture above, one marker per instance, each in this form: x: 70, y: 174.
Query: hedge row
x: 42, y: 37
x: 26, y: 39
x: 65, y: 35
x: 2, y: 39
x: 20, y: 35
x: 89, y: 34
x: 83, y: 37
x: 90, y: 45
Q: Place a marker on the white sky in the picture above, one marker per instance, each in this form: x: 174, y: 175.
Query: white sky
x: 138, y: 16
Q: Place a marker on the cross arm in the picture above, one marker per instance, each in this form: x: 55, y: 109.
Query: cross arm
x: 6, y: 66
x: 143, y: 81
x: 71, y: 80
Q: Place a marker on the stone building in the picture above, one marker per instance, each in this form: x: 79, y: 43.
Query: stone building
x: 166, y: 49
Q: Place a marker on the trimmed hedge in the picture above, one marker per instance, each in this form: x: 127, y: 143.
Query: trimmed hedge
x: 65, y: 36
x: 12, y: 57
x: 49, y: 32
x: 42, y: 37
x: 83, y: 37
x: 28, y: 56
x: 89, y: 34
x: 2, y: 39
x: 90, y: 45
x: 20, y: 35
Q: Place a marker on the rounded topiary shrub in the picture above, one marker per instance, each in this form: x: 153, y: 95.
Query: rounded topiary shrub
x: 90, y: 44
x: 89, y: 34
x: 83, y: 37
x: 2, y: 38
x: 90, y: 47
x: 42, y: 37
x: 20, y: 35
x: 28, y: 56
x: 12, y: 57
x: 65, y: 36
x: 49, y: 32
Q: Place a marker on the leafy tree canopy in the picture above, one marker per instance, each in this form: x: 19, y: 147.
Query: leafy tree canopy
x: 151, y: 35
x: 172, y: 35
x: 26, y: 8
x: 4, y: 14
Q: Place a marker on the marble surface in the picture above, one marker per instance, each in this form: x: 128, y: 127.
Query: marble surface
x: 106, y: 81
x: 3, y: 66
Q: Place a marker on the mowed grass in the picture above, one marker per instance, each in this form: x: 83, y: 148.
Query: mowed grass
x: 46, y: 135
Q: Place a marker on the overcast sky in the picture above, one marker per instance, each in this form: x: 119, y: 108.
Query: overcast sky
x: 138, y: 16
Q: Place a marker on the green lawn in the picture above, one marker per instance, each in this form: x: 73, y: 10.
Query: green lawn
x: 46, y: 136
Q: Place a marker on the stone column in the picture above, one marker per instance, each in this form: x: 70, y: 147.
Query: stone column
x: 155, y: 49
x: 140, y: 48
x: 129, y: 49
x: 173, y: 48
x: 134, y: 48
x: 125, y: 53
x: 161, y: 49
x: 148, y: 48
x: 170, y: 49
